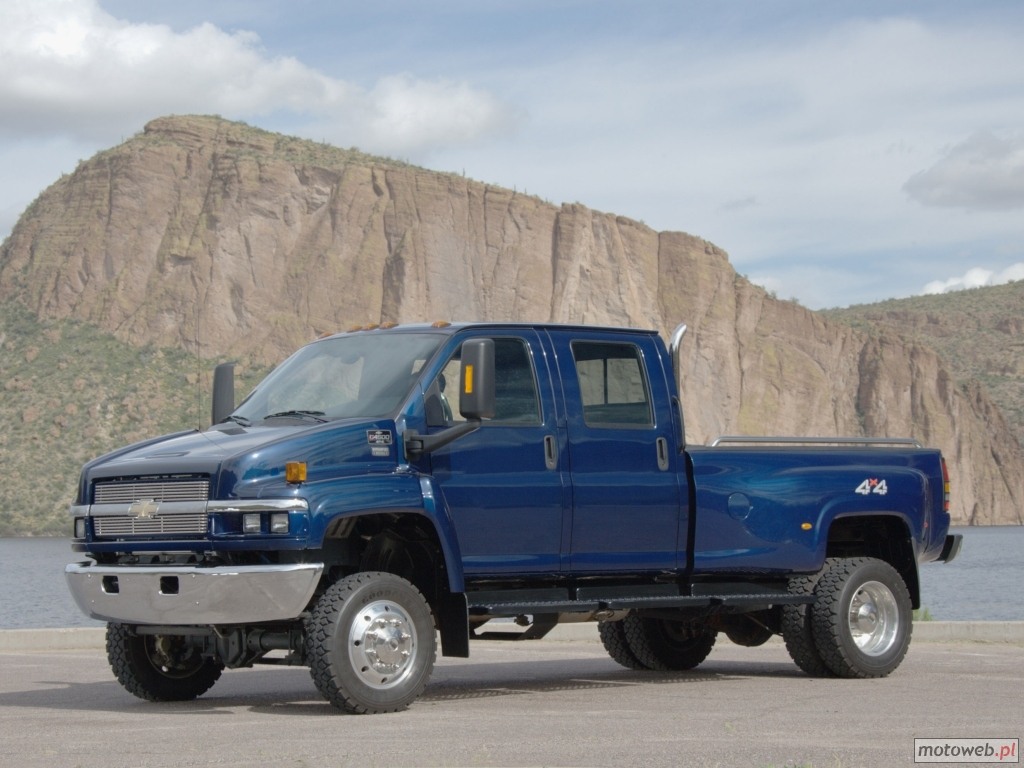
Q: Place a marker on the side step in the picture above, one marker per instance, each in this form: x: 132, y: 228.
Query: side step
x: 545, y: 605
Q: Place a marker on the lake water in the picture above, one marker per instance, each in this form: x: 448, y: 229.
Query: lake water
x: 982, y: 584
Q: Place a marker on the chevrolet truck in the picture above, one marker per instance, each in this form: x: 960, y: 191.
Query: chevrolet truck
x: 395, y: 487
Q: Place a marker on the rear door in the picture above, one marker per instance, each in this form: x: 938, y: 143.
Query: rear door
x: 628, y: 514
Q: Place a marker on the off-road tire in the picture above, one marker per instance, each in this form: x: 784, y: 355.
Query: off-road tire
x: 371, y: 643
x: 797, y: 629
x: 862, y: 618
x: 667, y: 645
x: 613, y: 638
x: 159, y: 667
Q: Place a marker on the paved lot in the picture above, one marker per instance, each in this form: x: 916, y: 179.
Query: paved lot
x: 555, y: 703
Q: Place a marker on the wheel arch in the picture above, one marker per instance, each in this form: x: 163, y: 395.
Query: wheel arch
x: 883, y: 535
x: 357, y: 509
x: 408, y: 543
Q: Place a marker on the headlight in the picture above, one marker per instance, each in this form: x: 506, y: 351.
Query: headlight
x: 279, y: 522
x: 251, y: 522
x: 79, y: 527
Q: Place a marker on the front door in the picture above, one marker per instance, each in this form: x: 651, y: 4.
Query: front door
x: 504, y: 484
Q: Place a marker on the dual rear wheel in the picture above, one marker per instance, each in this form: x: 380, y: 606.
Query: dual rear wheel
x: 859, y: 625
x: 658, y: 644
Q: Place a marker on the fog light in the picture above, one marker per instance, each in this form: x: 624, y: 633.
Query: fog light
x: 279, y: 522
x: 79, y: 527
x: 251, y: 522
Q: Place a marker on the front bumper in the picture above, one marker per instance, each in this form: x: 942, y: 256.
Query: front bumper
x: 188, y: 595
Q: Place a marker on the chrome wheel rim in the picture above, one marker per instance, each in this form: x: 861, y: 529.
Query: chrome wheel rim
x: 874, y: 618
x: 382, y: 644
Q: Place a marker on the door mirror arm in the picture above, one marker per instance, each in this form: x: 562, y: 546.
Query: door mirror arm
x: 416, y: 444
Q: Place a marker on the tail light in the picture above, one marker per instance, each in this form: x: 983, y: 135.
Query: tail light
x: 945, y: 486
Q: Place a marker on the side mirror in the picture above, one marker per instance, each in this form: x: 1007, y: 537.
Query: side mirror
x: 476, y: 400
x: 476, y: 383
x: 223, y: 392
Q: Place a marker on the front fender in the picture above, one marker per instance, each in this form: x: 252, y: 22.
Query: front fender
x: 435, y: 507
x: 398, y: 493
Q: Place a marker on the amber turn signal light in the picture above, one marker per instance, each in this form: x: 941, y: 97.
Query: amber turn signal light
x: 295, y: 472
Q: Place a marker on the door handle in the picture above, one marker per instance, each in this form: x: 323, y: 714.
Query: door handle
x: 550, y: 452
x: 662, y: 447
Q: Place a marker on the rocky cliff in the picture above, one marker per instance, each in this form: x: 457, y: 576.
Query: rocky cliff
x: 979, y: 332
x: 222, y: 239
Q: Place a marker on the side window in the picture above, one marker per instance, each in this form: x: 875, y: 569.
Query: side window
x: 612, y: 385
x: 515, y: 388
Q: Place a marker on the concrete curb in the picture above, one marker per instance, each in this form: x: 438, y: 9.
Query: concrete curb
x: 70, y: 639
x: 92, y: 638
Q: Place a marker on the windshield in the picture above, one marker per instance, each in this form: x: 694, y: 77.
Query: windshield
x: 360, y: 375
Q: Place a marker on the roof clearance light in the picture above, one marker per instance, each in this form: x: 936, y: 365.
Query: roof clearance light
x: 295, y: 472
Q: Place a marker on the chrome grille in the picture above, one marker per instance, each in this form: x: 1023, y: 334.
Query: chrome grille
x: 160, y: 489
x: 190, y: 523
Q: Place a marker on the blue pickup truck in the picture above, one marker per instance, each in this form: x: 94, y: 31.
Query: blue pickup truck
x: 391, y: 485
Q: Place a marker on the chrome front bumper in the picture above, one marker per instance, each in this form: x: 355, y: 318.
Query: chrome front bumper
x: 188, y: 595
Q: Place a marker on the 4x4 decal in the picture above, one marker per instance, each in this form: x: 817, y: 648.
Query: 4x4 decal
x: 872, y: 485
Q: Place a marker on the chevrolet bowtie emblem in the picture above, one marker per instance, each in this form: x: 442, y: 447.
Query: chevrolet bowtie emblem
x: 144, y: 508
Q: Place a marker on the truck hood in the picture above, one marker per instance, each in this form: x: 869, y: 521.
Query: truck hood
x: 170, y: 454
x: 234, y: 456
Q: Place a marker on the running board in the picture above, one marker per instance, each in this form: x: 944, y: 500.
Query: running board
x: 594, y: 599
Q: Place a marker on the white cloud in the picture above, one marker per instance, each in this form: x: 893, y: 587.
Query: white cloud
x: 71, y: 69
x: 402, y: 114
x: 983, y: 173
x: 976, y: 277
x: 787, y: 140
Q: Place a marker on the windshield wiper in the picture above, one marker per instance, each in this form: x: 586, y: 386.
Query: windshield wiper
x: 240, y: 420
x: 315, y: 415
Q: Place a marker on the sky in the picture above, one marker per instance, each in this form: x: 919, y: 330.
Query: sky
x: 841, y: 152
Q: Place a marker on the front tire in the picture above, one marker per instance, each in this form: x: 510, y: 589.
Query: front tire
x: 159, y: 667
x: 862, y: 618
x: 371, y: 643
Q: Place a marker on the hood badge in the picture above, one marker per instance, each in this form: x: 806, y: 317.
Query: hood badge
x: 144, y: 509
